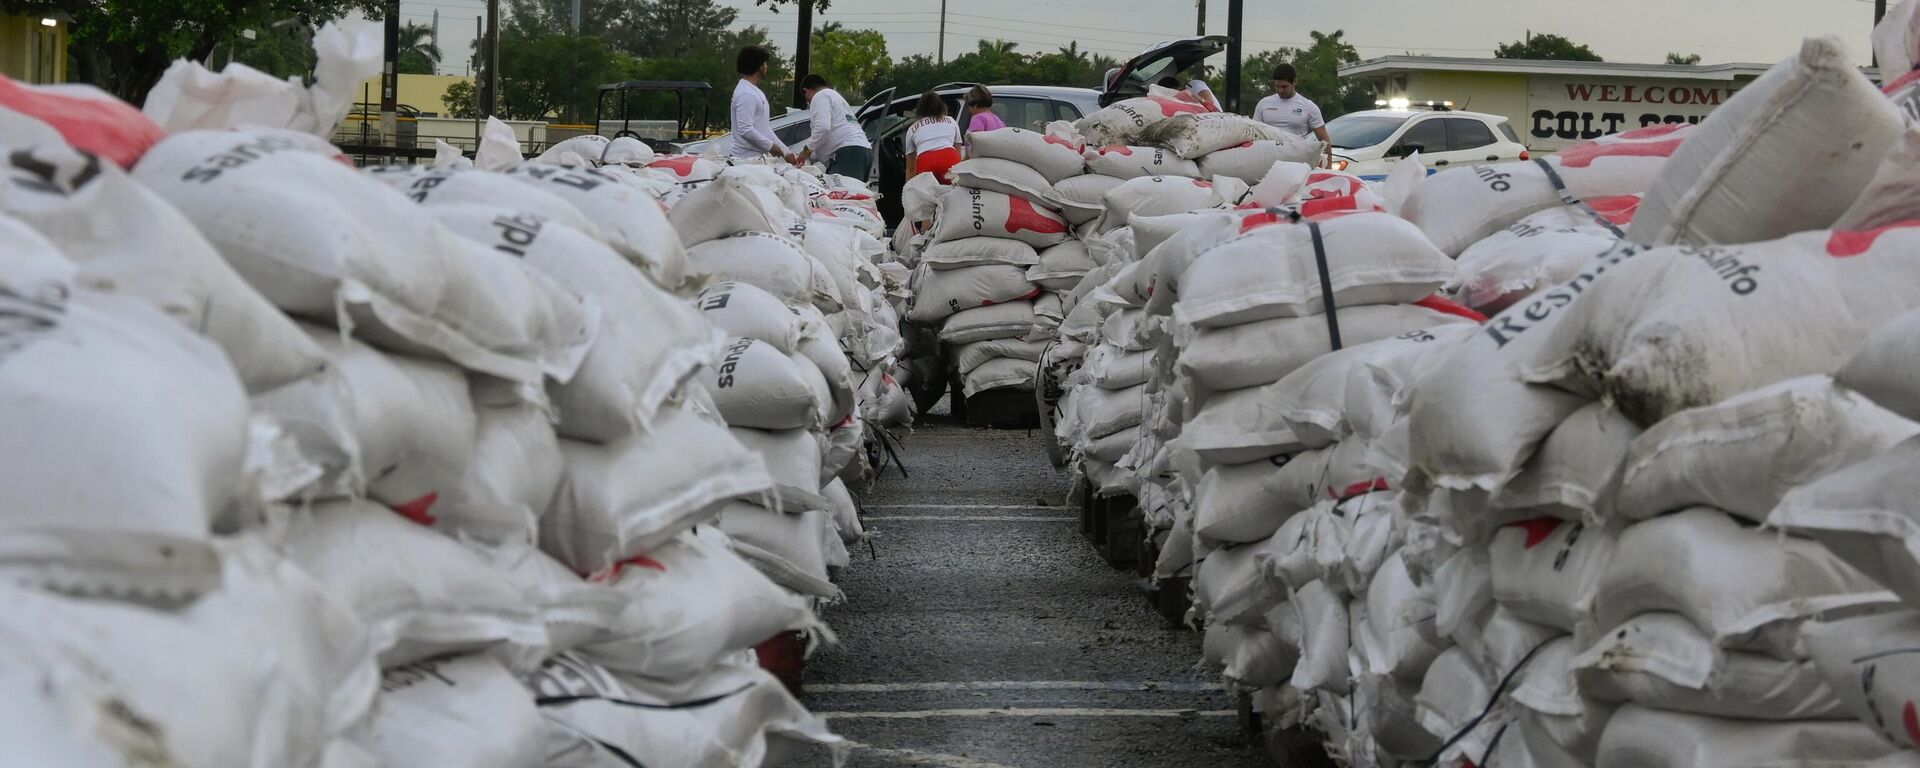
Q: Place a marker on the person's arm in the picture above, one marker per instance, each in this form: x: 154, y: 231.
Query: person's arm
x: 1320, y: 131
x: 820, y: 113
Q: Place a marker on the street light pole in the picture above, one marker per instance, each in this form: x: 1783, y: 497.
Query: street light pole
x: 389, y: 77
x: 941, y: 55
x: 803, y: 51
x: 490, y: 95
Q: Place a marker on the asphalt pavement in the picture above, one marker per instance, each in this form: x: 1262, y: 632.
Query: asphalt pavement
x: 982, y: 631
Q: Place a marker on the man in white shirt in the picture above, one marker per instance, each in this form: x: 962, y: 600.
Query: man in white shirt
x: 836, y: 132
x: 752, y: 117
x: 1289, y: 111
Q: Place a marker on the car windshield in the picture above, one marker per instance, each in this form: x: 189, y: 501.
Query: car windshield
x: 1355, y: 131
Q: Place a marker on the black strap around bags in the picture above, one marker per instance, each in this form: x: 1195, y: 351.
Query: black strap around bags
x: 1332, y: 307
x: 1567, y: 198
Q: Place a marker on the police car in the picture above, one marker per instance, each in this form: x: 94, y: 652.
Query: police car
x: 1367, y: 143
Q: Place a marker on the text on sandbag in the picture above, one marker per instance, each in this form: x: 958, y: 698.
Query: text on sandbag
x: 211, y: 168
x: 732, y: 361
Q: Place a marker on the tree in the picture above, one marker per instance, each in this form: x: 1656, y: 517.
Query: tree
x: 662, y: 29
x: 124, y: 45
x: 598, y: 18
x: 850, y: 59
x: 418, y: 53
x: 462, y: 100
x: 1683, y: 59
x: 1546, y: 46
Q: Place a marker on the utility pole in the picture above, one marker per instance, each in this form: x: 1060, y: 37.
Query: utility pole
x: 802, y: 51
x: 1201, y: 27
x: 390, y: 77
x: 490, y: 93
x: 436, y: 35
x: 1234, y: 29
x: 576, y: 18
x: 941, y: 57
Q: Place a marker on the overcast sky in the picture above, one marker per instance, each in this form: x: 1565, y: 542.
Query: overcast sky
x: 1619, y: 30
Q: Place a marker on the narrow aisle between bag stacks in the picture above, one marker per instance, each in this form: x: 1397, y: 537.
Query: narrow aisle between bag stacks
x: 983, y: 631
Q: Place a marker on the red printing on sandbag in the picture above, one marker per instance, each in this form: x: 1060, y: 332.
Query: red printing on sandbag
x: 1359, y: 489
x: 1629, y: 144
x: 1075, y: 146
x: 1030, y: 296
x: 681, y: 165
x: 1439, y: 303
x: 1901, y: 82
x: 1538, y: 529
x: 1172, y: 107
x: 1844, y: 244
x: 1022, y: 215
x: 1911, y: 720
x: 1117, y: 149
x: 418, y: 510
x: 1259, y: 220
x: 1618, y: 209
x: 110, y: 128
x: 637, y: 561
x: 842, y: 194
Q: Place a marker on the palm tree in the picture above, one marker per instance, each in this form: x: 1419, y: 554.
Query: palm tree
x: 1002, y: 47
x: 418, y: 54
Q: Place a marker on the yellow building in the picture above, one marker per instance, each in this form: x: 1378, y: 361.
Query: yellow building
x: 1555, y: 103
x: 422, y: 92
x: 33, y: 48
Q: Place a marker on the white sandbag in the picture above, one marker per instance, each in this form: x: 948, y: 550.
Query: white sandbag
x: 819, y: 347
x: 1868, y: 661
x: 774, y: 263
x: 1158, y: 196
x: 1396, y: 607
x: 1662, y: 661
x: 1462, y: 206
x: 1576, y: 473
x: 1223, y: 432
x: 436, y: 187
x: 630, y: 219
x: 1265, y: 351
x: 786, y: 547
x: 648, y: 344
x: 399, y: 428
x: 1269, y: 272
x: 1745, y: 588
x: 1312, y: 402
x: 635, y: 494
x: 1371, y: 536
x: 1551, y: 702
x: 1739, y: 178
x: 1862, y: 514
x: 731, y: 205
x: 1068, y: 260
x: 1463, y: 592
x: 1235, y: 502
x: 1250, y: 162
x: 1124, y: 122
x: 1053, y: 157
x: 939, y: 293
x: 1193, y: 136
x: 1638, y: 737
x: 756, y: 386
x: 420, y: 594
x: 1475, y: 419
x: 1744, y: 454
x: 1007, y: 178
x: 467, y: 709
x: 1541, y: 250
x: 1229, y: 587
x: 1457, y: 704
x: 1547, y: 571
x: 1690, y: 327
x: 1000, y: 373
x: 1892, y: 197
x: 1008, y: 320
x: 971, y: 356
x: 1884, y: 369
x: 977, y: 251
x: 1082, y: 198
x: 746, y: 310
x: 589, y: 147
x: 1307, y: 547
x: 1124, y: 162
x: 1324, y: 646
x: 1248, y: 656
x: 345, y: 249
x: 126, y: 433
x: 126, y: 239
x: 845, y: 511
x: 1392, y: 718
x: 66, y: 643
x: 690, y: 603
x: 966, y: 212
x: 688, y: 170
x: 749, y: 719
x: 793, y: 461
x: 576, y: 611
x: 510, y: 477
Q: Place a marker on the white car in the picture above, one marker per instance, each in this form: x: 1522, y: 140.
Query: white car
x: 1366, y: 144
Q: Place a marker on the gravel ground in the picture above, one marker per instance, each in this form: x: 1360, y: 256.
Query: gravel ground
x: 983, y: 632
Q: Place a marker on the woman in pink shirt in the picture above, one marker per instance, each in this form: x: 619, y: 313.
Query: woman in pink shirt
x: 980, y: 116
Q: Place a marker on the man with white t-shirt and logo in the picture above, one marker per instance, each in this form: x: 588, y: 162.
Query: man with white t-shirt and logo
x: 752, y: 118
x: 1289, y: 111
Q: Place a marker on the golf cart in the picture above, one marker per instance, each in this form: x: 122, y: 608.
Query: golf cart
x: 660, y: 134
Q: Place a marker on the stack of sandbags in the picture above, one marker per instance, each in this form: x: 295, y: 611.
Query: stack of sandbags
x: 461, y: 404
x: 972, y: 281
